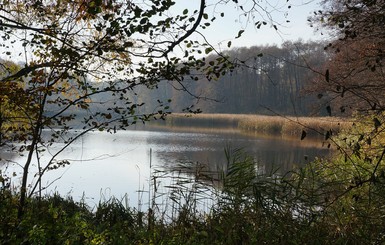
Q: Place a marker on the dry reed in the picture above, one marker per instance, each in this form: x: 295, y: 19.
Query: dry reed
x: 272, y: 125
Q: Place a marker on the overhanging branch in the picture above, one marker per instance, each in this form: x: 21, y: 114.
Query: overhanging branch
x: 189, y: 32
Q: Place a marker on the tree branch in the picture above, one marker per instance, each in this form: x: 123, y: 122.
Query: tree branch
x: 189, y: 32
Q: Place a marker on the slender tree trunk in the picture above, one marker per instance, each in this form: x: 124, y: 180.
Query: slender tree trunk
x: 32, y: 147
x: 23, y: 188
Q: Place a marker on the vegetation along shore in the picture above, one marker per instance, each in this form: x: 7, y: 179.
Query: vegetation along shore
x: 260, y: 124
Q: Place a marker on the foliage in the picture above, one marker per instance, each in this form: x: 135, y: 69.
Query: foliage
x: 346, y: 196
x: 354, y: 83
x: 354, y: 76
x: 349, y: 188
x: 13, y: 100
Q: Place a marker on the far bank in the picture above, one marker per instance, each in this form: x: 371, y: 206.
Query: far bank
x: 286, y: 126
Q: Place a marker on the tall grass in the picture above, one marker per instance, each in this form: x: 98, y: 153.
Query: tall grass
x: 293, y: 126
x: 260, y: 124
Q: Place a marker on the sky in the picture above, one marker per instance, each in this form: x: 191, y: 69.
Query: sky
x: 226, y: 29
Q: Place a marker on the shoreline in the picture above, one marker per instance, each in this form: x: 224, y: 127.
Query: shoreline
x: 315, y: 127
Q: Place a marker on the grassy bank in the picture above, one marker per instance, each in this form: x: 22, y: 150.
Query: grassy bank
x: 269, y: 125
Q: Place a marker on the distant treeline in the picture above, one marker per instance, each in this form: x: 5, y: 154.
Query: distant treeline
x: 268, y: 79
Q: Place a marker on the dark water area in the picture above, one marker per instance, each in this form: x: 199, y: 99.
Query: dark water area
x: 208, y: 147
x: 103, y: 165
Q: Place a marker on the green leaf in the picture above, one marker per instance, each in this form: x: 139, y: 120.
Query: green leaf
x: 329, y: 110
x: 327, y: 76
x: 229, y: 44
x: 208, y: 50
x: 240, y: 33
x: 303, y: 135
x: 137, y: 12
x: 328, y: 134
x: 377, y: 123
x: 185, y: 11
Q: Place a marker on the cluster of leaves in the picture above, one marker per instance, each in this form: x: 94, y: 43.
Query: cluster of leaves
x: 354, y: 77
x: 13, y: 102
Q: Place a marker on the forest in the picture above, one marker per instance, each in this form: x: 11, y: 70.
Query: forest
x: 267, y: 79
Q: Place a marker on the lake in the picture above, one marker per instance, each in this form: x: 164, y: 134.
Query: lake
x: 105, y: 165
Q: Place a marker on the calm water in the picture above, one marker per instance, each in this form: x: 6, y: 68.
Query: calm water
x: 105, y: 165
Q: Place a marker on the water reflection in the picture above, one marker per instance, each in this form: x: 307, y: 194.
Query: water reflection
x: 105, y: 165
x: 209, y: 148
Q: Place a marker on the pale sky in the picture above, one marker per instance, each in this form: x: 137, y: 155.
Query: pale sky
x: 226, y: 29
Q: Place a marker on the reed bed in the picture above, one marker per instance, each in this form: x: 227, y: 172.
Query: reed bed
x: 261, y: 124
x: 203, y: 120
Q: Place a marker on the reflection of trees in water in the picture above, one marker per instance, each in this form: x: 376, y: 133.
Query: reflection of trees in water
x: 279, y: 156
x: 286, y: 158
x: 193, y: 178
